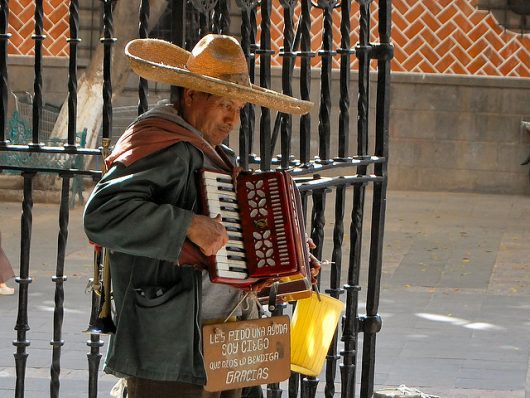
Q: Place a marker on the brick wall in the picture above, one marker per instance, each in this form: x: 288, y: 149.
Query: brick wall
x: 430, y: 36
x: 22, y: 26
x: 434, y: 36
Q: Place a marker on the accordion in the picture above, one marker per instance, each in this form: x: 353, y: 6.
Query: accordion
x: 262, y: 214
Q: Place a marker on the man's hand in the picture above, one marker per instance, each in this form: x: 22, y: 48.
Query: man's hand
x: 314, y: 263
x: 207, y: 233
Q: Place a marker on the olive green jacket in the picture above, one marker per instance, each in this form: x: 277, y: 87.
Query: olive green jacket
x: 141, y: 213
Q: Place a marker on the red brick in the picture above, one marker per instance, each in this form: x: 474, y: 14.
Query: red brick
x: 525, y: 58
x: 400, y: 7
x: 462, y: 22
x: 429, y: 38
x: 445, y: 62
x: 413, y: 45
x: 494, y: 58
x: 411, y: 63
x: 399, y: 22
x: 490, y: 70
x: 462, y: 39
x: 425, y: 67
x: 479, y: 16
x: 458, y: 69
x: 465, y: 7
x: 414, y: 29
x: 494, y: 41
x: 399, y: 55
x: 396, y: 67
x: 461, y: 55
x: 432, y: 6
x: 478, y: 32
x: 398, y: 39
x: 446, y: 30
x: 429, y: 54
x: 476, y: 65
x: 446, y: 45
x: 431, y: 21
x: 477, y: 49
x: 510, y: 49
x: 523, y: 71
x: 445, y: 3
x: 447, y: 14
x: 414, y: 13
x: 509, y: 65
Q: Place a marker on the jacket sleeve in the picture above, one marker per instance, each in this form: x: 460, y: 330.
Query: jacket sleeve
x: 145, y: 209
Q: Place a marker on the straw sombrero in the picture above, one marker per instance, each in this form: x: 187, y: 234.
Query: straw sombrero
x: 216, y: 65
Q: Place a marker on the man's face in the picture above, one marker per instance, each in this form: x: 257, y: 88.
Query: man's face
x: 214, y: 116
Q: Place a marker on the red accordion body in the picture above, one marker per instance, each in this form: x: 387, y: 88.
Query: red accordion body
x: 263, y: 218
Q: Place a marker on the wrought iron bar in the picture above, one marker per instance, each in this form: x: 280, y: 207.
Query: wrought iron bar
x: 245, y: 115
x: 59, y: 278
x: 344, y: 103
x: 335, y: 290
x: 143, y: 26
x: 265, y: 53
x: 318, y: 223
x: 73, y: 41
x: 287, y: 76
x: 4, y: 81
x: 178, y: 34
x: 325, y: 81
x: 50, y: 149
x: 252, y: 73
x: 94, y: 357
x: 294, y: 384
x: 108, y: 41
x: 37, y: 83
x: 221, y: 19
x: 305, y: 80
x: 22, y: 325
x: 372, y: 324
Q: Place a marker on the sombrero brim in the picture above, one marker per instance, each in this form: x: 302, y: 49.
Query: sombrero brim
x: 164, y: 62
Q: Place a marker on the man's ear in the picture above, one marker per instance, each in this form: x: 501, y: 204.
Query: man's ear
x: 188, y: 95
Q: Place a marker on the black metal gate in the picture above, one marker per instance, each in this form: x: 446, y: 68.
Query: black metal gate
x: 365, y: 164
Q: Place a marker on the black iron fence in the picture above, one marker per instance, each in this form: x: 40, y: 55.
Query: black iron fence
x: 365, y: 164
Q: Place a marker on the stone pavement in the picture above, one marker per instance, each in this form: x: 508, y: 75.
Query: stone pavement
x: 455, y: 297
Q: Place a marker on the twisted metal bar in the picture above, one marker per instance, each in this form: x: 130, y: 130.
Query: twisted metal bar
x: 37, y: 83
x: 305, y: 80
x: 335, y: 290
x: 373, y: 325
x: 59, y: 278
x: 344, y: 102
x: 22, y: 325
x: 221, y: 18
x: 4, y: 81
x: 318, y: 223
x: 108, y: 41
x: 143, y: 26
x: 73, y: 41
x: 245, y: 126
x: 265, y: 81
x: 325, y: 82
x: 287, y: 75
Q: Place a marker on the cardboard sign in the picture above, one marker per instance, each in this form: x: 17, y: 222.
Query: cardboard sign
x: 246, y: 353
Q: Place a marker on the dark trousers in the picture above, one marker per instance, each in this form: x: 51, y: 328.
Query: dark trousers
x: 143, y: 388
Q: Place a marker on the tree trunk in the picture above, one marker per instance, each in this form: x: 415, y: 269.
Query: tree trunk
x: 90, y: 85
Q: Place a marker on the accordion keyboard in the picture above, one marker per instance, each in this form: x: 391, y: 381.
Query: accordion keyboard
x: 230, y: 261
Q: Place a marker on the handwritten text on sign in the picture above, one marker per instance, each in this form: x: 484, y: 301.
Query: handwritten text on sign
x: 246, y: 353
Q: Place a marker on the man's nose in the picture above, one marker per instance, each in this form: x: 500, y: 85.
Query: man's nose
x: 232, y: 117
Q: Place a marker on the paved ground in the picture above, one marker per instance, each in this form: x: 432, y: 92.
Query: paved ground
x: 455, y: 297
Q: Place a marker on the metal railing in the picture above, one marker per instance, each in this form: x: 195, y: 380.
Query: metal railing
x: 362, y: 166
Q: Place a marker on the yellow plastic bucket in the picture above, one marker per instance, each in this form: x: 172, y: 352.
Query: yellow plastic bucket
x: 312, y: 327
